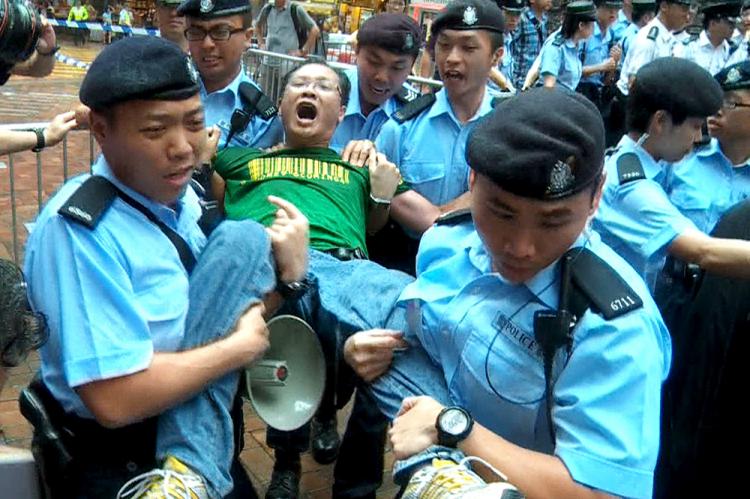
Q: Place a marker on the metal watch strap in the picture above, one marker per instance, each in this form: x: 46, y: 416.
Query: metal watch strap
x: 40, y: 141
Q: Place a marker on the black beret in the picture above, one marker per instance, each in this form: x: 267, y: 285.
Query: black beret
x: 397, y: 33
x: 133, y: 68
x: 515, y: 6
x: 542, y: 144
x: 210, y: 9
x: 469, y: 14
x: 735, y: 77
x: 677, y: 86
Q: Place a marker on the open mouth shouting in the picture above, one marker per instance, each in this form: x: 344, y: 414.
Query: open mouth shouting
x: 306, y: 112
x: 453, y: 75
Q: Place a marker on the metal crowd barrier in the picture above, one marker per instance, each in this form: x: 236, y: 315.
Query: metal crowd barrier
x: 52, y: 166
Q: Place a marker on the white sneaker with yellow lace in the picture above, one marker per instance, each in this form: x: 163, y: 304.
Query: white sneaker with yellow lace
x: 174, y: 481
x: 446, y: 479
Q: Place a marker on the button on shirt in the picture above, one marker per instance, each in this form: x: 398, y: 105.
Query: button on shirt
x: 357, y: 126
x: 705, y: 185
x: 430, y: 149
x: 561, y: 60
x: 636, y: 218
x: 479, y: 328
x: 110, y: 304
x: 644, y: 50
x: 702, y: 52
x: 595, y: 50
x: 219, y: 106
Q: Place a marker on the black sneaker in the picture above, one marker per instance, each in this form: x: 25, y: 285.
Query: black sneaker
x: 325, y: 440
x: 284, y: 483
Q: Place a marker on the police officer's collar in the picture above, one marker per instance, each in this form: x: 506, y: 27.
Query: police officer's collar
x: 165, y: 213
x: 353, y: 107
x: 443, y: 106
x: 703, y: 41
x: 714, y: 147
x: 232, y: 87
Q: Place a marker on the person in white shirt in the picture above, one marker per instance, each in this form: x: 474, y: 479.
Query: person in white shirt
x: 711, y: 49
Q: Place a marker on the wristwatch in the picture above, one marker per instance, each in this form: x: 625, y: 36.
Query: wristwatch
x: 453, y: 425
x: 293, y: 290
x: 51, y: 52
x: 41, y: 143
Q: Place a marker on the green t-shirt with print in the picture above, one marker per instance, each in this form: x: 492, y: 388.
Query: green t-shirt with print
x: 333, y: 195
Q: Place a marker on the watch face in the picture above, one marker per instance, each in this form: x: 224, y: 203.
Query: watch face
x: 454, y: 421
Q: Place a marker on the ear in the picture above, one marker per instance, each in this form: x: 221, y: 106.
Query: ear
x: 472, y: 179
x: 342, y: 112
x: 248, y: 34
x: 598, y: 194
x: 99, y: 126
x: 498, y: 55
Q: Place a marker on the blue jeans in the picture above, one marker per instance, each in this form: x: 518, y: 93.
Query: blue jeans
x: 234, y: 272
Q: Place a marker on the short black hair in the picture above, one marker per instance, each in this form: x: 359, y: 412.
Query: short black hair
x: 570, y: 24
x: 344, y: 83
x: 638, y: 14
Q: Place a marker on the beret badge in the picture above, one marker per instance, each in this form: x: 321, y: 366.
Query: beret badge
x: 191, y: 70
x: 561, y: 177
x: 470, y: 16
x: 207, y: 6
x: 408, y: 41
x: 733, y: 76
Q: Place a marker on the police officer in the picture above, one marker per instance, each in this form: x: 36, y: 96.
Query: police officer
x: 636, y: 216
x: 387, y: 45
x: 624, y: 19
x: 643, y: 12
x: 560, y: 59
x: 711, y: 48
x: 427, y: 138
x: 171, y: 24
x: 717, y: 176
x: 654, y: 40
x: 600, y: 54
x: 479, y: 324
x: 218, y: 33
x: 708, y: 187
x: 134, y: 329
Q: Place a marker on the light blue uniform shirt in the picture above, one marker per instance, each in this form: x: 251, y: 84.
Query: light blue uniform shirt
x: 479, y: 327
x: 628, y: 35
x: 561, y: 61
x: 619, y: 26
x: 505, y: 66
x: 637, y: 219
x: 112, y: 295
x: 430, y: 149
x: 596, y: 48
x: 705, y: 185
x: 357, y: 126
x: 220, y: 105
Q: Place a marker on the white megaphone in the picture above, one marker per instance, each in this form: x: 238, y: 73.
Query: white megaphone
x: 286, y: 386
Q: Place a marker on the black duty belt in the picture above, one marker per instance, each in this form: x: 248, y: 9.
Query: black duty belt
x: 680, y: 271
x: 345, y: 254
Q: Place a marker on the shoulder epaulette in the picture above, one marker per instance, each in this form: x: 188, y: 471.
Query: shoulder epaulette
x: 653, y: 33
x: 406, y: 95
x: 454, y: 217
x: 88, y: 204
x: 414, y: 108
x: 558, y: 41
x: 597, y: 286
x: 629, y: 168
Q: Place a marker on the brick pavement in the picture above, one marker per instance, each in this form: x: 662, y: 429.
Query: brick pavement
x: 24, y: 100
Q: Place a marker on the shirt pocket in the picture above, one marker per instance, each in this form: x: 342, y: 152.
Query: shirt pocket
x: 424, y: 176
x: 162, y: 302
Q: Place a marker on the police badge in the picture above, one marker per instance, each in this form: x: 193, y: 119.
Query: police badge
x: 470, y: 16
x: 733, y: 76
x: 207, y: 6
x: 561, y: 178
x: 408, y: 42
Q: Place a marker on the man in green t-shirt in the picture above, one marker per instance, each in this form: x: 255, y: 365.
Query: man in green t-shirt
x: 341, y: 201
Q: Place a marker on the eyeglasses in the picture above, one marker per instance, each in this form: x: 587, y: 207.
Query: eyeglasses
x: 321, y: 85
x: 729, y: 105
x: 217, y: 34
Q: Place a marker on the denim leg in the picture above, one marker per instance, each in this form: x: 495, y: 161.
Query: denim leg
x: 234, y: 271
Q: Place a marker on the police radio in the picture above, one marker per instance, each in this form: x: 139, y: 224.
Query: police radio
x: 553, y: 330
x: 254, y: 102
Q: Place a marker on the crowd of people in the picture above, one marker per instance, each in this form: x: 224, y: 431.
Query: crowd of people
x: 519, y: 310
